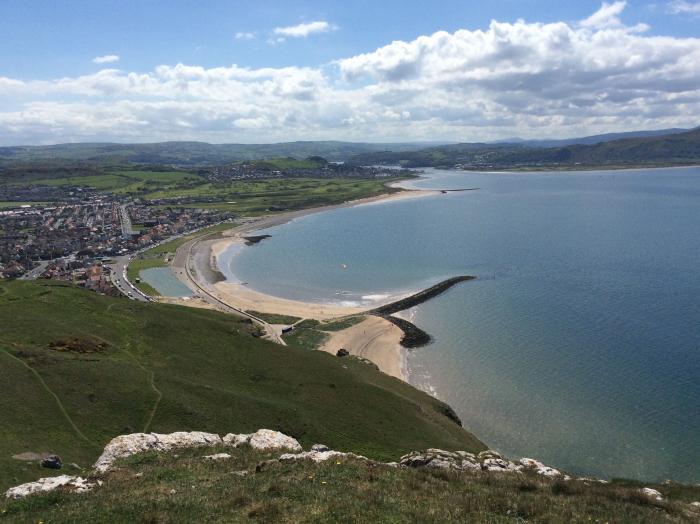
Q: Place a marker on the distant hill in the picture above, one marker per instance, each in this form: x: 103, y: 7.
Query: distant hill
x: 193, y: 153
x: 666, y: 150
x: 590, y: 140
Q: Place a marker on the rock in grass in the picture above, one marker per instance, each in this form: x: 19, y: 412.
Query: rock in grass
x: 652, y: 494
x: 52, y: 462
x: 263, y: 439
x: 440, y: 459
x: 342, y: 352
x: 217, y: 456
x: 76, y: 484
x: 539, y: 468
x: 266, y: 439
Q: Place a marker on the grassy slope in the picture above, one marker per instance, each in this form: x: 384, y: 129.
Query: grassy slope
x: 171, y: 368
x: 188, y: 489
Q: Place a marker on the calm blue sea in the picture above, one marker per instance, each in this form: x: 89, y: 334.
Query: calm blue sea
x: 578, y: 345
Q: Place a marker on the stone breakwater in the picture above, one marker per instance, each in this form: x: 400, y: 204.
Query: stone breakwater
x: 486, y: 462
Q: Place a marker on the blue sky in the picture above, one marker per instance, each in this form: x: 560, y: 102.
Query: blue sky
x: 326, y: 70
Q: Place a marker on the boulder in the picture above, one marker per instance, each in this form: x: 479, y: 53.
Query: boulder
x: 267, y: 439
x: 52, y: 462
x: 539, y: 468
x: 342, y: 352
x: 652, y: 494
x: 76, y: 484
x: 319, y: 447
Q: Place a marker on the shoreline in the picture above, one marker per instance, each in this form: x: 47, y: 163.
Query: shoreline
x: 374, y: 338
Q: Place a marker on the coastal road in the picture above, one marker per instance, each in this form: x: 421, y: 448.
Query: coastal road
x: 118, y: 277
x: 182, y: 266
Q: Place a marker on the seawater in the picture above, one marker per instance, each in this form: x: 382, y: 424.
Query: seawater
x: 579, y: 343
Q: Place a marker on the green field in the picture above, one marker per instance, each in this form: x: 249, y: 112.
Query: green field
x: 123, y: 182
x: 184, y: 487
x: 262, y: 196
x: 13, y: 205
x: 79, y: 368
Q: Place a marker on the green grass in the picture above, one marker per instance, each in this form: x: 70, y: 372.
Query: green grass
x: 261, y: 196
x: 12, y: 205
x: 306, y: 335
x: 143, y: 261
x: 171, y: 246
x: 124, y: 181
x: 156, y: 487
x: 167, y: 368
x: 272, y: 318
x: 342, y: 323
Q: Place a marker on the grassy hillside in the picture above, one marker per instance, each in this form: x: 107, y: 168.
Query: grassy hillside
x: 185, y: 488
x: 79, y: 368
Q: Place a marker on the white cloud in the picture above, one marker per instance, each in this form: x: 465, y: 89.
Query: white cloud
x: 106, y: 59
x: 677, y: 7
x: 304, y: 30
x: 245, y: 35
x: 526, y: 79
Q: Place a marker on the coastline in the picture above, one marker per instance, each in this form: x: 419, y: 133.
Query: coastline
x: 374, y: 338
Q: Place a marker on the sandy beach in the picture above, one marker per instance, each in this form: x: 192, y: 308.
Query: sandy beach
x: 374, y: 338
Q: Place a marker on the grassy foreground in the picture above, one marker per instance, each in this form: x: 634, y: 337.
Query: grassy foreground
x: 157, y: 487
x: 79, y: 368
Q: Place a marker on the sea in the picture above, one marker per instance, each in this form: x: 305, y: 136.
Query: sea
x: 579, y: 342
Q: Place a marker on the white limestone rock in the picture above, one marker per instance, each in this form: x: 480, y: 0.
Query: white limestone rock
x: 127, y: 445
x: 539, y: 468
x: 652, y: 494
x: 217, y: 456
x: 235, y: 439
x: 267, y: 439
x: 76, y: 484
x: 441, y: 459
x: 320, y: 456
x: 500, y: 465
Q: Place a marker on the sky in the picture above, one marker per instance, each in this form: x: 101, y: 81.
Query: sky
x: 262, y: 71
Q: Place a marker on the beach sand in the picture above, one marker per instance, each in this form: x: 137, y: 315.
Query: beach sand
x: 375, y: 339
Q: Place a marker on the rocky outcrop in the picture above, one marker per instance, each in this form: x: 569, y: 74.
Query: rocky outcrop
x: 127, y: 445
x: 269, y: 440
x: 441, y: 459
x: 76, y: 484
x: 320, y: 453
x: 264, y: 440
x: 540, y: 469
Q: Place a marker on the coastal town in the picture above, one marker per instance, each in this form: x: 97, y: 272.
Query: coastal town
x: 73, y: 242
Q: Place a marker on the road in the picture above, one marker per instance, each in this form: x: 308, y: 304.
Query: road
x: 127, y: 231
x: 118, y: 277
x: 38, y: 270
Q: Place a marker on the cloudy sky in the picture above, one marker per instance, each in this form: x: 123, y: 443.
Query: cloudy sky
x: 264, y: 71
